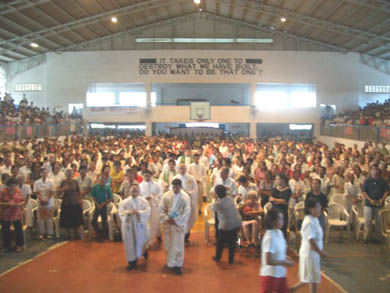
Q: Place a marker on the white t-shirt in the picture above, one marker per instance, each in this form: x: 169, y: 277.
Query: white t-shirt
x: 273, y: 242
x: 43, y: 188
x: 311, y: 229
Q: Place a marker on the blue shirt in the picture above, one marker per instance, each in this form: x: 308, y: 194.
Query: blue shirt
x: 101, y: 193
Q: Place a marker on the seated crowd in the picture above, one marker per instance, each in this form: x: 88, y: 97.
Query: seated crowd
x: 27, y: 113
x: 254, y: 173
x: 373, y: 114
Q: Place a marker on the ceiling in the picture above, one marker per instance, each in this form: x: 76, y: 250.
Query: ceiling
x: 60, y: 25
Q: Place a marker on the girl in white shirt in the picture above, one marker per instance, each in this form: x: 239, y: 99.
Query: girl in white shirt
x: 311, y: 249
x: 273, y: 255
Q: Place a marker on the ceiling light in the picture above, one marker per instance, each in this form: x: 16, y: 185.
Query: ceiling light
x: 197, y: 1
x: 34, y: 45
x: 200, y: 9
x: 283, y: 19
x: 114, y: 19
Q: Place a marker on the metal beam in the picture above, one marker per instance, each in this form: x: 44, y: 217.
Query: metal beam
x: 378, y: 5
x: 133, y: 8
x: 134, y: 30
x: 304, y: 19
x: 264, y: 27
x: 9, y: 7
x: 376, y: 63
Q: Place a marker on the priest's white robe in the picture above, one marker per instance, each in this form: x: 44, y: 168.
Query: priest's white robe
x: 190, y: 186
x: 151, y: 191
x: 180, y: 206
x: 134, y: 229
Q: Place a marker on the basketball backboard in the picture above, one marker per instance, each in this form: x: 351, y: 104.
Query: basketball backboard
x: 200, y: 111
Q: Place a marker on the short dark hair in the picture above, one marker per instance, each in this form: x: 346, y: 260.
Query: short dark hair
x: 220, y: 190
x: 147, y: 171
x: 271, y: 217
x: 310, y: 203
x: 83, y: 168
x: 176, y: 181
x: 243, y: 179
x: 172, y: 161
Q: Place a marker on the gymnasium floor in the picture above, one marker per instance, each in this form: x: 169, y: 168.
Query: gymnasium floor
x: 86, y: 266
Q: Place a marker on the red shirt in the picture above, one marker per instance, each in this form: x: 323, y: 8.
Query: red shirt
x: 11, y: 213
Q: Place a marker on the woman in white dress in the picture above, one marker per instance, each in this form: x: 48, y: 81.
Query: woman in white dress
x: 274, y: 259
x: 311, y: 249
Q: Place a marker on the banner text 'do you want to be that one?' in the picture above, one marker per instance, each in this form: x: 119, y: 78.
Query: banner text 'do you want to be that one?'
x: 200, y: 66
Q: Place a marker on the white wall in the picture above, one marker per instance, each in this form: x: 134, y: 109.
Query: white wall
x: 330, y: 141
x: 339, y: 79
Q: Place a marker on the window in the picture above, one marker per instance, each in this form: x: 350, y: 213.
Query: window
x: 75, y: 107
x: 283, y: 96
x: 97, y: 125
x: 200, y: 124
x: 3, y: 81
x: 300, y: 126
x: 377, y: 89
x: 135, y: 99
x: 141, y: 127
x: 101, y: 99
x: 28, y: 87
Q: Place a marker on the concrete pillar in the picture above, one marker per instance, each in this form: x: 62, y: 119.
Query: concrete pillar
x: 148, y: 130
x: 252, y: 93
x: 252, y: 130
x: 148, y: 89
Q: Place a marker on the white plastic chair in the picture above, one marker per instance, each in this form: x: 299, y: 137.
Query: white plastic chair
x: 299, y: 215
x: 338, y: 198
x: 209, y: 220
x: 87, y: 208
x: 267, y: 207
x: 56, y: 216
x: 337, y: 217
x: 385, y: 218
x: 358, y: 212
x: 117, y: 199
x: 24, y: 227
x: 387, y: 202
x: 111, y: 211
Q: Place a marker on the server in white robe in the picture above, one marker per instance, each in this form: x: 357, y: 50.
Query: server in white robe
x: 151, y: 191
x: 175, y: 210
x: 190, y: 187
x: 134, y: 212
x: 198, y: 171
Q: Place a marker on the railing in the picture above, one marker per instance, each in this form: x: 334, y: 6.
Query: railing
x: 12, y: 131
x: 357, y: 132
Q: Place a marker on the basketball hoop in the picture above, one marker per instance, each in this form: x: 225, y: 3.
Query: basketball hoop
x: 200, y: 113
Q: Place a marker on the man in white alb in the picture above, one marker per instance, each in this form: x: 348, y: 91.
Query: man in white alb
x: 175, y: 209
x: 134, y: 212
x: 198, y: 171
x: 151, y: 191
x: 190, y: 187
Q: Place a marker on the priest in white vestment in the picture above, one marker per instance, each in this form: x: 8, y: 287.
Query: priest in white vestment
x: 167, y: 175
x: 151, y: 191
x: 134, y: 213
x: 198, y: 171
x: 175, y: 209
x: 190, y: 187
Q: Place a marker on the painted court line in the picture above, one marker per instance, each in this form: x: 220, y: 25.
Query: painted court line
x: 31, y: 259
x: 337, y: 285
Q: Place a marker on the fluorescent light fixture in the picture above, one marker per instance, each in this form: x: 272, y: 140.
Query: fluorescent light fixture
x: 300, y: 126
x: 283, y: 19
x: 197, y: 2
x: 34, y: 45
x: 200, y: 124
x: 263, y: 41
x: 203, y: 40
x: 114, y: 19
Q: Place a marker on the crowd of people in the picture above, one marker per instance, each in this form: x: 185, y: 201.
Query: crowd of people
x: 28, y: 114
x: 164, y: 181
x: 372, y: 114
